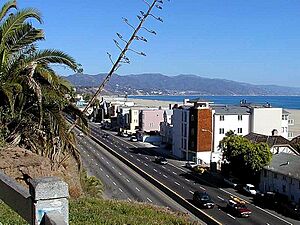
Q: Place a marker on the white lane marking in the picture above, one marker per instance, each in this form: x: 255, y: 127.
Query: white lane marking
x: 113, y: 167
x: 96, y: 164
x: 125, y: 152
x: 230, y: 216
x: 177, y: 167
x: 163, y: 167
x: 155, y: 170
x: 174, y: 173
x: 177, y: 183
x: 146, y: 157
x: 131, y: 156
x: 202, y: 188
x: 191, y: 192
x: 220, y: 198
x: 187, y: 180
x: 274, y: 215
x: 88, y: 155
x: 107, y: 176
x: 129, y: 199
x: 92, y: 159
x: 102, y: 158
x: 120, y: 189
x: 97, y: 153
x: 149, y: 199
x: 139, y: 153
x: 165, y: 176
x: 114, y: 183
x: 137, y: 189
x: 101, y: 169
x: 146, y: 164
x: 120, y: 174
x: 107, y: 162
x: 138, y: 160
x: 127, y: 180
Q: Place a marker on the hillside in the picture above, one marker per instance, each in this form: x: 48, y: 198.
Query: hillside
x: 149, y: 84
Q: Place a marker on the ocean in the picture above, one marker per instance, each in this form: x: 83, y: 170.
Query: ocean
x: 287, y: 102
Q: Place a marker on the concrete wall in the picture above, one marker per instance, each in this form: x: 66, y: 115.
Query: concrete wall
x: 265, y: 120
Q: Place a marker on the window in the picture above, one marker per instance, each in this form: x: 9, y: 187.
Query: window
x: 185, y: 116
x: 240, y: 117
x: 192, y: 131
x: 275, y: 176
x: 290, y: 134
x: 192, y: 144
x: 265, y: 173
x: 291, y: 122
x: 240, y: 130
x: 222, y: 118
x: 283, y: 177
x: 283, y: 188
x: 286, y: 129
x: 221, y: 131
x: 282, y: 129
x: 192, y: 118
x: 284, y: 117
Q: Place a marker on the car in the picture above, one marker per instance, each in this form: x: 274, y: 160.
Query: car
x: 238, y: 207
x: 105, y: 135
x: 190, y: 164
x: 80, y: 134
x: 203, y: 200
x: 290, y: 209
x: 232, y: 182
x: 133, y: 139
x: 249, y: 189
x: 161, y: 160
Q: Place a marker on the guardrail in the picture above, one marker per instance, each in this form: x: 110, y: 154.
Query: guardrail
x: 44, y: 203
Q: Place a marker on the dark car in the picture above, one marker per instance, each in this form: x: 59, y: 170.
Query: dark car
x: 290, y: 209
x: 161, y: 160
x: 203, y: 200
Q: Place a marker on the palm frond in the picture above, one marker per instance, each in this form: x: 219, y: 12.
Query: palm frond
x: 6, y: 7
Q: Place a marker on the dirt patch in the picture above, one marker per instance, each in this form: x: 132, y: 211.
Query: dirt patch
x: 15, y: 160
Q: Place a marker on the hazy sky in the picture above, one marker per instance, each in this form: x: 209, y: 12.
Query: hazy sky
x: 256, y: 41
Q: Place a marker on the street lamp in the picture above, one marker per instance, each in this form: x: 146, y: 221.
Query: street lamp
x: 211, y: 143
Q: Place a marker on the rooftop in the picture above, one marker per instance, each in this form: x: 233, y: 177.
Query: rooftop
x: 270, y: 140
x: 286, y: 164
x: 230, y: 110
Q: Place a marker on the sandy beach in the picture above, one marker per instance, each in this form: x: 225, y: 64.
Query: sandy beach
x: 142, y: 102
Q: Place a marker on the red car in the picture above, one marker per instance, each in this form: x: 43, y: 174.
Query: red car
x: 238, y: 207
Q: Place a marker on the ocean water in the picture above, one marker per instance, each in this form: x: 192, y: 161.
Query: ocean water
x: 287, y: 102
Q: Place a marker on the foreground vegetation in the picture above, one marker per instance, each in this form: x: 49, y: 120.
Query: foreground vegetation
x: 86, y: 211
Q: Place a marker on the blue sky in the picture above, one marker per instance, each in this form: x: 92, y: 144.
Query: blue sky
x: 250, y: 41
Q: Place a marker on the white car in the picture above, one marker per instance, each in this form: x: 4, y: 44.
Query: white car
x: 249, y: 189
x: 133, y: 139
x: 190, y: 164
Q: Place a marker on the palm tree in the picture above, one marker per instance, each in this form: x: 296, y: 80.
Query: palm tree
x: 33, y: 99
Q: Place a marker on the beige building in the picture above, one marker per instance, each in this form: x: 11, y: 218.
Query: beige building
x: 294, y: 123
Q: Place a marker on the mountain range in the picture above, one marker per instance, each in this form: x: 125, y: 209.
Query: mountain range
x: 159, y: 84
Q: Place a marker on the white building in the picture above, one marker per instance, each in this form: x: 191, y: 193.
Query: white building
x: 282, y: 176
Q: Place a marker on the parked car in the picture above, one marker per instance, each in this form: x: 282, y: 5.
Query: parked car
x: 290, y: 209
x: 232, y: 182
x: 238, y: 207
x: 190, y: 164
x: 249, y: 189
x: 133, y: 139
x: 161, y: 160
x: 203, y: 200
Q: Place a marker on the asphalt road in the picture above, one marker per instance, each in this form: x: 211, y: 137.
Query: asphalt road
x: 120, y: 181
x: 180, y: 180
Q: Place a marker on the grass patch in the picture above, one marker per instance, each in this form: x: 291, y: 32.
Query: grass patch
x: 87, y: 211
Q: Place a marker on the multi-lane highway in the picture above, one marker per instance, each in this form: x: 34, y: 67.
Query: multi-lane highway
x: 184, y: 183
x: 120, y: 181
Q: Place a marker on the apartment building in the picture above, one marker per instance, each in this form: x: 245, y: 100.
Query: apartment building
x: 293, y: 123
x: 150, y: 119
x: 198, y: 129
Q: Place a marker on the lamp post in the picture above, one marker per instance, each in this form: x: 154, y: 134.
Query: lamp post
x: 211, y: 143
